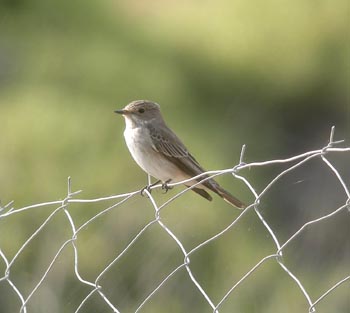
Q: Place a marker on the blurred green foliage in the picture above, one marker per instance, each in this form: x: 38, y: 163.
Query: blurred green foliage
x: 273, y: 75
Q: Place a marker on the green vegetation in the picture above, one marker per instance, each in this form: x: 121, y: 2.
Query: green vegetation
x: 272, y: 75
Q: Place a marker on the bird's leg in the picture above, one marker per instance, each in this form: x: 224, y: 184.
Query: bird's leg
x: 148, y: 187
x: 165, y: 185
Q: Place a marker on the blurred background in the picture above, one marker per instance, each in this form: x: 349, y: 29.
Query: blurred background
x: 273, y: 75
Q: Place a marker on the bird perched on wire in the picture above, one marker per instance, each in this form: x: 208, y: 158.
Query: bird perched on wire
x: 161, y: 154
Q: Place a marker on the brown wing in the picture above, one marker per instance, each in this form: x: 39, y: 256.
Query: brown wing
x: 167, y: 143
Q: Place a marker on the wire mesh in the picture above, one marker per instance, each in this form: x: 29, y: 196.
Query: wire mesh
x: 94, y: 286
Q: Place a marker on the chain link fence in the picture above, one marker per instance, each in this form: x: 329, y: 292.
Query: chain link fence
x: 25, y: 287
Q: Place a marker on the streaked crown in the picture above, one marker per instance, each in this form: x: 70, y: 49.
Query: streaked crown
x: 145, y: 105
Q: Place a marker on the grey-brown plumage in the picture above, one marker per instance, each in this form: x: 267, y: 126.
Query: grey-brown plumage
x: 160, y: 153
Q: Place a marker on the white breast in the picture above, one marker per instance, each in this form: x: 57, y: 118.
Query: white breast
x: 152, y: 162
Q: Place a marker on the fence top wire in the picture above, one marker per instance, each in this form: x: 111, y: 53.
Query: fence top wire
x: 96, y: 285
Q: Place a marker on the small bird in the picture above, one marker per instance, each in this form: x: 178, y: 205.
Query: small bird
x: 161, y: 154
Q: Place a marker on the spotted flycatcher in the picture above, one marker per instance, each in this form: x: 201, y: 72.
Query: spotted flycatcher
x: 161, y: 154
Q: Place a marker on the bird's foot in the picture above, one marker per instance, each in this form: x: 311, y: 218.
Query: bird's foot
x: 165, y: 186
x: 148, y: 188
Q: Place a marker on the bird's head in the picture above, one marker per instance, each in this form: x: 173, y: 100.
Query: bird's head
x: 140, y: 111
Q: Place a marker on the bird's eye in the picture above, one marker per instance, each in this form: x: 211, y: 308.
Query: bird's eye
x: 141, y: 110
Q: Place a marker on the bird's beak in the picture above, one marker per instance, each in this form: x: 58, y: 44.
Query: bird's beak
x: 123, y: 112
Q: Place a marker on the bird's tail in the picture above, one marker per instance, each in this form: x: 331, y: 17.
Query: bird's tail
x: 214, y: 186
x: 228, y: 197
